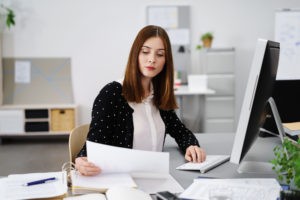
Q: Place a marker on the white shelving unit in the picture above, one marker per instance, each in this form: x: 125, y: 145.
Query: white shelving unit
x: 38, y: 120
x: 40, y: 106
x: 219, y: 65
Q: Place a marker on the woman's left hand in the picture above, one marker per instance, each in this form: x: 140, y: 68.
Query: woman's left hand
x: 195, y: 154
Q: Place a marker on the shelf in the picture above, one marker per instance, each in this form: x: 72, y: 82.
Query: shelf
x: 219, y: 65
x: 37, y: 120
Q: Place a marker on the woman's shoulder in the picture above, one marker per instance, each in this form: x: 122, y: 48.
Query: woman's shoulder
x: 112, y: 87
x: 167, y: 113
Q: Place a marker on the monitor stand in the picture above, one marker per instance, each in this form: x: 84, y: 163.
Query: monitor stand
x: 264, y: 167
x: 254, y: 167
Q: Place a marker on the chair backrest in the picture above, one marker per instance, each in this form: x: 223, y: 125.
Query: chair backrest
x: 77, y: 139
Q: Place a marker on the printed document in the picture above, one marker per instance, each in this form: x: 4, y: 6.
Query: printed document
x: 234, y: 189
x: 149, y: 170
x: 113, y: 159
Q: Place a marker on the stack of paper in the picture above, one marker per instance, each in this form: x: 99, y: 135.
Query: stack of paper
x: 146, y: 170
x: 234, y: 189
x: 100, y: 183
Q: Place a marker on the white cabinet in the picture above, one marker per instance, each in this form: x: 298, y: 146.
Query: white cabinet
x: 16, y: 120
x: 43, y: 106
x: 219, y: 65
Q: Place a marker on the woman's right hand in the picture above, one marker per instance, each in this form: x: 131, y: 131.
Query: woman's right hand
x: 85, y: 167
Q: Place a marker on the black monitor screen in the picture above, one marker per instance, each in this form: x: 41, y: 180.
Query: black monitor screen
x: 287, y: 98
x: 260, y: 84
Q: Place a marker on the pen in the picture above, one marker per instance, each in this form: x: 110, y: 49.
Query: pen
x: 39, y: 181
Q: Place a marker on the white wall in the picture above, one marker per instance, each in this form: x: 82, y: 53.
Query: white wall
x: 97, y: 35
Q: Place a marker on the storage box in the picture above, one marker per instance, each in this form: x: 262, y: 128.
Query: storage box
x: 62, y: 120
x: 197, y: 82
x: 42, y: 126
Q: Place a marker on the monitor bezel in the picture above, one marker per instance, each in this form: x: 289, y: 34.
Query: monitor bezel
x: 258, y: 70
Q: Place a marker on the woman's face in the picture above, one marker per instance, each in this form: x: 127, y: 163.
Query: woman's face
x: 152, y: 57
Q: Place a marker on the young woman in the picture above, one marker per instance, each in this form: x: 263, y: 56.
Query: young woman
x: 138, y: 111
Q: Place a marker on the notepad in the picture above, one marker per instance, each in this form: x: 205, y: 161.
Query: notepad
x: 100, y: 183
x: 211, y: 162
x: 13, y: 186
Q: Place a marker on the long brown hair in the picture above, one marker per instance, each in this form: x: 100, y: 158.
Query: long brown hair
x: 162, y: 83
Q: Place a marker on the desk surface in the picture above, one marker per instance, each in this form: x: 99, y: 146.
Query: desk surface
x: 221, y: 143
x: 185, y: 90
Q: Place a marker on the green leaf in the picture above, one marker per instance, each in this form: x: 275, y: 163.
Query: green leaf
x: 198, y: 47
x: 10, y: 19
x: 286, y: 162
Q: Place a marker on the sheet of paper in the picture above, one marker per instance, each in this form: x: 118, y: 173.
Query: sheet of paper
x: 22, y: 72
x: 102, y: 182
x: 118, y: 193
x: 153, y: 183
x: 235, y: 189
x: 122, y: 160
x: 179, y: 36
x: 14, y: 188
x: 93, y: 196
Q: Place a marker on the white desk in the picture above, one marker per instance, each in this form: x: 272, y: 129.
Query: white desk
x: 184, y: 90
x: 220, y: 143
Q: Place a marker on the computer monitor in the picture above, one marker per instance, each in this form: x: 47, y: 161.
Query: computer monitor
x: 254, y: 108
x: 287, y: 101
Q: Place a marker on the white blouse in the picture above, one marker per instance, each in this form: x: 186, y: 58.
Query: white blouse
x: 148, y: 126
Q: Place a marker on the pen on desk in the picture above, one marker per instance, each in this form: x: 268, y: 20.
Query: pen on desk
x: 39, y: 181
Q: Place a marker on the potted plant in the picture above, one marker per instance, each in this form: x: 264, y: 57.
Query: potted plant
x: 287, y: 167
x: 7, y: 17
x: 206, y: 39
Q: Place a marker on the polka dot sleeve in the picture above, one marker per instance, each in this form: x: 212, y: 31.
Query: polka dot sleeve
x: 183, y: 136
x: 102, y: 117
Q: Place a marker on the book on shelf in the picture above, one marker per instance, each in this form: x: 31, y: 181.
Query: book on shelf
x: 123, y: 167
x: 292, y: 128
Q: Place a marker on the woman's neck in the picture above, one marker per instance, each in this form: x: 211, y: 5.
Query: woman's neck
x: 146, y: 83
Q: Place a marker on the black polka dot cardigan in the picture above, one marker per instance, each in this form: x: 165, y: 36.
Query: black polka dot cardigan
x: 112, y: 121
